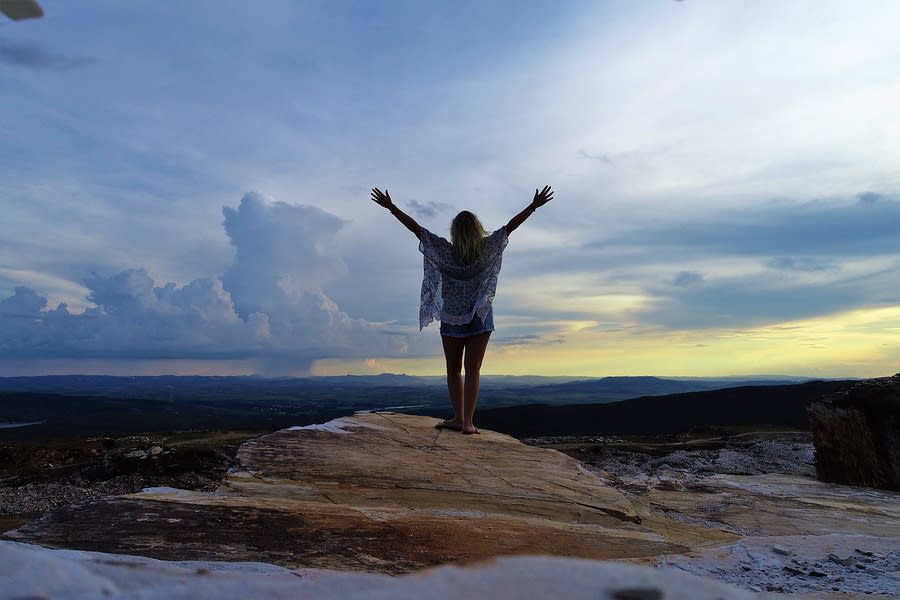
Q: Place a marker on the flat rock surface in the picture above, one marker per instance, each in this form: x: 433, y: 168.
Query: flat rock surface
x: 380, y: 492
x: 389, y: 493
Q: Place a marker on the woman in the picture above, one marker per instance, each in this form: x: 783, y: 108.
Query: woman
x: 458, y: 289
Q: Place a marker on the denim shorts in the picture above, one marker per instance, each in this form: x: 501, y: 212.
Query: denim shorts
x: 474, y: 327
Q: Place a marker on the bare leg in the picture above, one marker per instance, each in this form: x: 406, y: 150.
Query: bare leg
x: 475, y: 349
x: 453, y: 353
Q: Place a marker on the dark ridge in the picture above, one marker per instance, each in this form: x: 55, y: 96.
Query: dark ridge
x: 771, y: 405
x: 62, y: 416
x: 70, y: 416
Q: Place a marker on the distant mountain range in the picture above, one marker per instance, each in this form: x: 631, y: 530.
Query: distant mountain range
x: 543, y: 389
x: 43, y: 407
x: 754, y: 406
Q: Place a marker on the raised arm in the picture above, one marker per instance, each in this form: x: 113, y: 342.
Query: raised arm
x: 540, y: 198
x: 384, y: 199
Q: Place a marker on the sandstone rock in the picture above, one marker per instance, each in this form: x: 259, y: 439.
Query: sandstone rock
x: 857, y: 434
x: 388, y: 493
x: 379, y: 492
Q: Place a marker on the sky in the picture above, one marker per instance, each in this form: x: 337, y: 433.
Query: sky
x: 185, y: 186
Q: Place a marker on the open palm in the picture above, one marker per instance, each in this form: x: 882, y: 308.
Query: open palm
x: 382, y: 198
x: 543, y: 197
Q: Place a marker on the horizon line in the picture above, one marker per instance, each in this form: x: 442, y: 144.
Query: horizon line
x: 388, y: 374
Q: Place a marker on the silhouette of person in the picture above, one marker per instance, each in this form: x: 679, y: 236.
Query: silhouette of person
x: 458, y: 290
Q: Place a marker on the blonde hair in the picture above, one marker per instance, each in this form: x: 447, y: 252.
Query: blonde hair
x: 467, y: 234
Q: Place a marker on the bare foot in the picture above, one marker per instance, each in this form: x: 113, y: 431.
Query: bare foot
x: 470, y: 430
x: 449, y: 424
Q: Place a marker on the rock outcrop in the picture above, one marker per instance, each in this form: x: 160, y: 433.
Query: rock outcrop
x: 857, y: 434
x: 387, y: 493
x: 380, y: 492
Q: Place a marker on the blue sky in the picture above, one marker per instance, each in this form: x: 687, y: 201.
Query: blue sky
x: 191, y: 181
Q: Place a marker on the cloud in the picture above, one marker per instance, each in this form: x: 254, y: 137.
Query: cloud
x: 269, y: 305
x: 34, y: 56
x: 683, y: 278
x: 737, y: 302
x: 24, y: 303
x: 516, y: 340
x: 808, y: 265
x: 282, y: 251
x: 738, y: 267
x: 529, y: 339
x: 657, y: 170
x: 811, y: 228
x: 429, y: 209
x: 869, y: 197
x: 601, y: 157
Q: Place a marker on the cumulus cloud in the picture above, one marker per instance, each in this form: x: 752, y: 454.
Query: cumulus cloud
x: 132, y: 318
x: 282, y: 252
x: 24, y: 303
x: 269, y: 305
x: 34, y: 56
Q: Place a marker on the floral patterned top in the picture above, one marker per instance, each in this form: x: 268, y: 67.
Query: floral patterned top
x: 453, y: 292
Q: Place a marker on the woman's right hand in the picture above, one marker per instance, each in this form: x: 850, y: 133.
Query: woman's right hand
x: 382, y: 198
x: 543, y: 197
